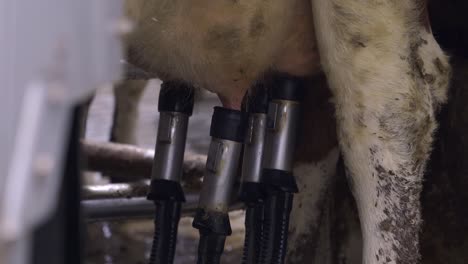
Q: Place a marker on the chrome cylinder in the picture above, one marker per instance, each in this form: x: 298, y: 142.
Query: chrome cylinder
x: 220, y: 173
x: 283, y: 117
x: 253, y: 148
x: 170, y: 146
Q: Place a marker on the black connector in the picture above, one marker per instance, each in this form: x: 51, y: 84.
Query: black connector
x: 287, y: 87
x: 176, y: 96
x: 228, y: 124
x: 256, y: 99
x: 211, y: 248
x: 213, y: 228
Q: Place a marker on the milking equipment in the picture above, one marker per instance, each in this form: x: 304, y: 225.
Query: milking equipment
x: 252, y: 189
x: 212, y: 219
x: 175, y: 106
x: 277, y: 177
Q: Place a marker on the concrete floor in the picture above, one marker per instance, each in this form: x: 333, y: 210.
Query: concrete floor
x: 129, y: 242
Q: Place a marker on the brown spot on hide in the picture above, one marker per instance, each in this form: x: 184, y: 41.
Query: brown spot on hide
x: 257, y: 25
x: 385, y: 225
x: 359, y: 41
x: 223, y: 38
x: 441, y: 68
x: 429, y: 78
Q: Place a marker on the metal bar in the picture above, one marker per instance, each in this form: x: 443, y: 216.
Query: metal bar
x: 115, y: 191
x: 139, y: 207
x: 128, y: 200
x: 122, y: 191
x: 129, y: 163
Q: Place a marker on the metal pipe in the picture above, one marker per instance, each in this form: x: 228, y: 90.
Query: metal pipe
x: 221, y: 172
x: 121, y: 191
x: 170, y: 146
x: 253, y: 148
x: 124, y: 200
x: 115, y: 191
x: 129, y: 163
x: 283, y: 117
x: 115, y: 209
x: 137, y: 207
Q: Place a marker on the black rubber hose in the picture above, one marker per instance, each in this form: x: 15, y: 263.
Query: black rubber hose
x: 278, y: 207
x: 253, y: 233
x: 282, y: 227
x: 166, y: 221
x: 269, y: 222
x: 211, y: 248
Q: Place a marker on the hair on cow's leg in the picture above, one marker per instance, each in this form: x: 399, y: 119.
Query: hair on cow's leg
x: 387, y: 75
x: 127, y: 96
x: 307, y: 216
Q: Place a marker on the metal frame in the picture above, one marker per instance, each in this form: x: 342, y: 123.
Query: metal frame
x: 122, y: 201
x: 125, y: 201
x: 127, y: 163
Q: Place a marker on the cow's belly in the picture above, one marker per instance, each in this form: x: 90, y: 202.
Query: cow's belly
x: 223, y: 46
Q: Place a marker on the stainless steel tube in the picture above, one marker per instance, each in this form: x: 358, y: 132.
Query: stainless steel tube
x: 115, y: 190
x: 170, y: 146
x: 139, y: 207
x: 220, y: 174
x: 283, y: 117
x: 253, y: 148
x: 129, y: 163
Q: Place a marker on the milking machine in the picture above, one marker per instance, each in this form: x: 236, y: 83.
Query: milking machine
x: 251, y: 192
x: 277, y: 177
x: 267, y: 138
x: 268, y: 184
x: 212, y: 219
x: 175, y: 107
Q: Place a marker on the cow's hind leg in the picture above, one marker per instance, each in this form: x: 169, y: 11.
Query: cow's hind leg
x: 387, y: 74
x: 127, y: 97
